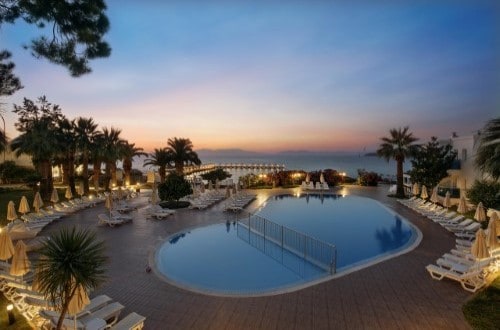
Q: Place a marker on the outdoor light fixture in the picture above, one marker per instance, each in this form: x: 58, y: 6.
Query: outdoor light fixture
x: 10, y: 313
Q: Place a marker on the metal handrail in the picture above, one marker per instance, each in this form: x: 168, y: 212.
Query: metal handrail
x: 317, y: 252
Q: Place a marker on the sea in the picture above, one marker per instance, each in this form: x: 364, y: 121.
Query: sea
x: 307, y: 161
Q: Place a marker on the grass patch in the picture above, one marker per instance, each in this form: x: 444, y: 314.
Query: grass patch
x: 21, y: 322
x: 15, y: 194
x: 482, y: 311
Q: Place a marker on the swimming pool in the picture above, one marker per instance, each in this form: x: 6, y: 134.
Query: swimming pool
x: 229, y: 259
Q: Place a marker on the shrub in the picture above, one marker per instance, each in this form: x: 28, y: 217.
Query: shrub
x: 487, y: 192
x: 366, y: 178
x: 217, y: 174
x: 174, y: 188
x: 10, y: 172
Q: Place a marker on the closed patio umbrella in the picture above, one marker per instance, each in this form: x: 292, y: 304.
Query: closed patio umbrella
x: 228, y: 192
x: 480, y: 215
x: 447, y: 201
x: 491, y: 239
x: 322, y: 178
x: 37, y: 202
x: 81, y: 189
x: 119, y: 193
x: 20, y: 263
x: 78, y: 302
x: 11, y: 211
x: 109, y: 203
x: 434, y: 196
x: 308, y: 178
x: 24, y: 206
x: 154, y: 195
x: 494, y: 218
x: 462, y: 205
x: 202, y: 188
x: 479, y: 249
x: 68, y: 193
x: 6, y: 246
x: 415, y: 189
x: 54, y: 196
x: 210, y: 185
x: 217, y: 184
x: 424, y: 194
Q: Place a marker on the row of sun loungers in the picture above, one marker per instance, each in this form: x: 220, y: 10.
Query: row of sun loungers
x: 459, y: 264
x: 239, y: 201
x: 160, y: 213
x: 101, y: 310
x: 207, y: 199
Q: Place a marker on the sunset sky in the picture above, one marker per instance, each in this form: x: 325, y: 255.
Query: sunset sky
x: 265, y: 76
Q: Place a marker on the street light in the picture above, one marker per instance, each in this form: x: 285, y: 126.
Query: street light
x: 10, y: 313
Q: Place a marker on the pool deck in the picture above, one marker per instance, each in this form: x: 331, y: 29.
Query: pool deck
x: 395, y: 294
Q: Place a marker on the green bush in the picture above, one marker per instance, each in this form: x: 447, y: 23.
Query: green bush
x: 10, y: 172
x: 174, y: 188
x: 487, y: 192
x: 366, y: 178
x: 217, y: 174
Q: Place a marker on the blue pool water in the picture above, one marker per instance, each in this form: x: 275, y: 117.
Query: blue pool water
x: 230, y: 259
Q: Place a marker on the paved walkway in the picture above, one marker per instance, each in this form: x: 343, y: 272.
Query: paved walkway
x: 394, y: 294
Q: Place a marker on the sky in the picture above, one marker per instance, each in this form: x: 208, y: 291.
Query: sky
x: 269, y: 76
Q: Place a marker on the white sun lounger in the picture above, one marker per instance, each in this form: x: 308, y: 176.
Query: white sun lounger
x: 470, y: 280
x: 132, y: 321
x: 105, y: 220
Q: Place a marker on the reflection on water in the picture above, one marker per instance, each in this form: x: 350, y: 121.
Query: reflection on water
x: 307, y: 196
x: 177, y: 237
x: 395, y: 237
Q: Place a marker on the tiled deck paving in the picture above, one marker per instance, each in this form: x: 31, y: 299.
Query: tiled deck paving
x: 395, y: 294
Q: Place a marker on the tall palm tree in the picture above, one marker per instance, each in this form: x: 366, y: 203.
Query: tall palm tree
x: 67, y: 145
x: 70, y: 259
x: 398, y: 146
x: 112, y: 152
x: 85, y: 130
x: 129, y: 151
x: 161, y: 158
x: 182, y: 153
x: 97, y: 157
x: 488, y: 152
x: 40, y: 142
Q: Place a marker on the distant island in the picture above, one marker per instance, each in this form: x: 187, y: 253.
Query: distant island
x: 371, y: 154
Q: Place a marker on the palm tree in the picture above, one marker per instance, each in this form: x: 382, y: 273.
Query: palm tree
x: 112, y: 151
x: 488, y: 153
x: 161, y: 158
x: 71, y: 258
x: 85, y: 130
x: 129, y: 151
x: 67, y: 145
x: 96, y: 155
x: 40, y: 142
x: 398, y: 147
x: 182, y: 153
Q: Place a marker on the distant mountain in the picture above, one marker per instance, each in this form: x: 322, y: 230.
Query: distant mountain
x: 224, y: 152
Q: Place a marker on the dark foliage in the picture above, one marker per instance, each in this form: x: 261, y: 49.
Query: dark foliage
x: 486, y: 192
x: 217, y: 174
x: 430, y: 163
x: 366, y: 178
x: 9, y: 83
x: 77, y: 30
x: 174, y: 188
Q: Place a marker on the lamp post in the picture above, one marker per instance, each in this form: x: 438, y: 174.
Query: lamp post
x: 10, y: 313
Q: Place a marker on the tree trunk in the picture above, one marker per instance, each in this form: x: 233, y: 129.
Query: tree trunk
x: 162, y: 174
x: 114, y: 182
x: 399, y: 179
x: 179, y: 167
x: 65, y: 306
x: 71, y: 173
x: 127, y: 169
x: 96, y: 174
x: 65, y: 172
x: 46, y: 185
x: 85, y: 171
x: 107, y: 176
